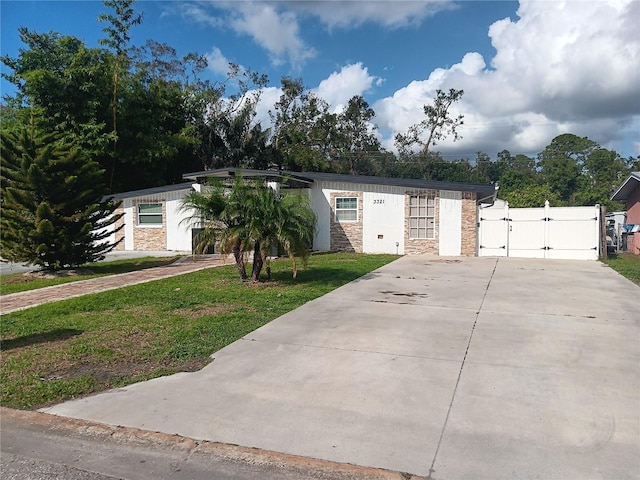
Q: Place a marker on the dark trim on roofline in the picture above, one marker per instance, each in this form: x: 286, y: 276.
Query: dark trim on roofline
x: 486, y: 192
x: 626, y: 188
x: 233, y: 172
x: 151, y: 191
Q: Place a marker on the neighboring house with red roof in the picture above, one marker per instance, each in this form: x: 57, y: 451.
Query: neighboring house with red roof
x: 629, y: 191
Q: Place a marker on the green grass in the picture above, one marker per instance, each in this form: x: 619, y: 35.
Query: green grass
x: 626, y: 264
x: 71, y: 348
x: 20, y: 282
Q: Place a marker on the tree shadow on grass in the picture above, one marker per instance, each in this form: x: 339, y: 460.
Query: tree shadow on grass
x: 36, y: 338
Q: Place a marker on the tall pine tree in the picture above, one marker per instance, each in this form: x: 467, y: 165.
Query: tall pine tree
x: 53, y: 212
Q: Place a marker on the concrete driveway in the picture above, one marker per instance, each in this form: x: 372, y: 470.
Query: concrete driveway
x: 472, y: 368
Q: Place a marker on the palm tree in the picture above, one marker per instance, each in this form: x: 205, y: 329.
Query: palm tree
x: 295, y: 228
x: 275, y: 220
x: 218, y: 214
x: 253, y: 217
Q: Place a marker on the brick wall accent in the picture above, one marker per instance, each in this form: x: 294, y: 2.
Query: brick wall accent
x: 149, y: 238
x: 469, y: 224
x: 419, y: 246
x: 119, y: 236
x: 345, y: 236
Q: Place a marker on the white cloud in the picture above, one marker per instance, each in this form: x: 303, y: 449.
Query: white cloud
x: 340, y: 86
x: 275, y: 31
x: 563, y: 66
x: 390, y: 13
x: 275, y: 25
x: 268, y: 98
x: 217, y: 62
x: 196, y: 12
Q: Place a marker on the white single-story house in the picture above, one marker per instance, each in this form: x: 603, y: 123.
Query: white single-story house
x: 355, y: 213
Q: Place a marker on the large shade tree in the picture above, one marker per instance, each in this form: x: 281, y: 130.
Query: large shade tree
x: 53, y: 210
x: 355, y: 138
x: 68, y: 83
x: 438, y: 123
x: 304, y: 130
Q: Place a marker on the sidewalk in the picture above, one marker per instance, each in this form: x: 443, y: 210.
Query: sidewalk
x: 22, y: 300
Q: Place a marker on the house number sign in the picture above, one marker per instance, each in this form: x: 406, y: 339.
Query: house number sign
x: 378, y: 202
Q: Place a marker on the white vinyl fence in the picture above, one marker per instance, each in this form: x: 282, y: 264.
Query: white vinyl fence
x: 547, y: 232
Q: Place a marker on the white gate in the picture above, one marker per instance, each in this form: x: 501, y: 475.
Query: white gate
x: 547, y: 232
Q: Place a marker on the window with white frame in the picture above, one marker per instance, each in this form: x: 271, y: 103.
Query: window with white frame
x: 422, y: 216
x: 346, y: 209
x: 150, y: 214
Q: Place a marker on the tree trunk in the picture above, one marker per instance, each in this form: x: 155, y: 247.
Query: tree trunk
x: 115, y: 118
x: 237, y: 254
x: 258, y: 262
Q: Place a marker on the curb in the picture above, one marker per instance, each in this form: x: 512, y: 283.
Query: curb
x: 123, y: 436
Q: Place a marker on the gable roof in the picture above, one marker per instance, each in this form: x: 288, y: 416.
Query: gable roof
x: 485, y: 192
x: 629, y: 185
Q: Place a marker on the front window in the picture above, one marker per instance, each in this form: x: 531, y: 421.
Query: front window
x: 347, y: 209
x: 150, y: 214
x: 422, y: 218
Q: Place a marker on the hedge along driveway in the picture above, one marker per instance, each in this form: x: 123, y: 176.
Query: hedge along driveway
x: 87, y: 344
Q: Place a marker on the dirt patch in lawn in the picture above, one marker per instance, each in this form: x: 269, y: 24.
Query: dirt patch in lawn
x: 106, y: 359
x: 205, y: 311
x: 109, y: 374
x: 75, y: 272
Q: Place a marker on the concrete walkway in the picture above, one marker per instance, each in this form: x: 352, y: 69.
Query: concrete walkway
x: 478, y: 368
x: 19, y: 301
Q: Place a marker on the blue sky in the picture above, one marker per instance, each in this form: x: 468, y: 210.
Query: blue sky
x: 531, y: 70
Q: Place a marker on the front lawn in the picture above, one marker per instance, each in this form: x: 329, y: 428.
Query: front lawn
x: 66, y: 349
x: 626, y: 264
x: 21, y: 282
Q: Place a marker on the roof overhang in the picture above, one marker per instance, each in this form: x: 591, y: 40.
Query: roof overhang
x: 629, y: 185
x: 490, y: 199
x: 149, y: 191
x: 227, y: 173
x: 485, y: 193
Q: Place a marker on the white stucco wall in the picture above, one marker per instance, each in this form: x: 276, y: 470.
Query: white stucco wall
x: 383, y: 220
x: 382, y: 212
x: 178, y: 234
x: 128, y: 224
x: 383, y: 217
x: 178, y: 231
x: 320, y: 205
x: 450, y: 227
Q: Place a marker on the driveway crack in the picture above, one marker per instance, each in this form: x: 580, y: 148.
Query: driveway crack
x: 346, y: 349
x: 464, y: 359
